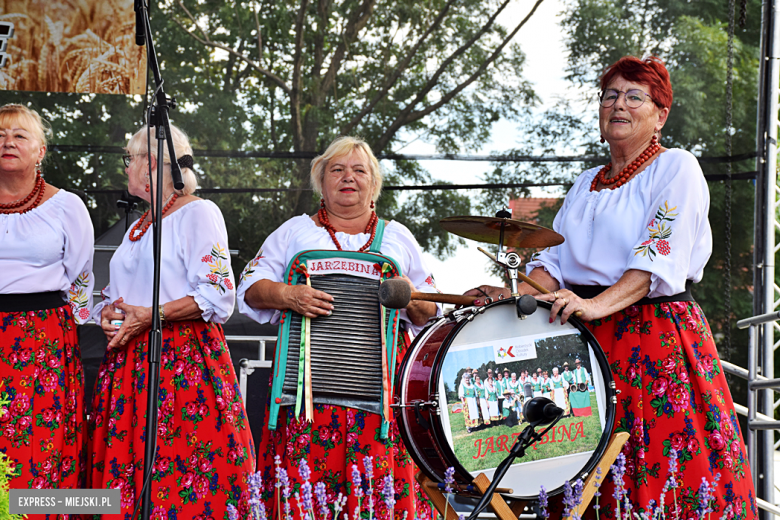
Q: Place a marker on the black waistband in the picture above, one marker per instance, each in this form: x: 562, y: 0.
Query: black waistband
x: 591, y: 291
x: 31, y: 301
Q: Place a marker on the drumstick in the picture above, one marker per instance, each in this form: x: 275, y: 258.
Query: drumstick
x: 396, y: 294
x: 527, y: 280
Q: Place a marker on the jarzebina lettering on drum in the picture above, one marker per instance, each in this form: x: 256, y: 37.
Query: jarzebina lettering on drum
x: 558, y: 434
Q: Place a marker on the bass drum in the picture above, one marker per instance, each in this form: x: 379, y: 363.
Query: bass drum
x: 446, y: 420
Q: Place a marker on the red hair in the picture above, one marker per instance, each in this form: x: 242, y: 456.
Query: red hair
x: 650, y: 71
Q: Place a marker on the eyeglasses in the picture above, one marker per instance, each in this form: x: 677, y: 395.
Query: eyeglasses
x: 634, y: 97
x: 126, y: 158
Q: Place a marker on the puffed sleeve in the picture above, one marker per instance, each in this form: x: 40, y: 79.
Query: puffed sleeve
x: 677, y: 231
x: 269, y: 264
x: 77, y: 255
x: 105, y: 300
x: 204, y: 243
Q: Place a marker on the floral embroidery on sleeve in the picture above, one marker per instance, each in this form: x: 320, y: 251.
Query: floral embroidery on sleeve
x: 219, y: 273
x: 78, y: 297
x: 249, y: 270
x: 659, y: 233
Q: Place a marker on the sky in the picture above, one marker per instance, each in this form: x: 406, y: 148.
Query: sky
x: 542, y: 41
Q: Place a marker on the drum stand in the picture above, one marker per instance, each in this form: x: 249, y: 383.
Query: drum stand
x: 512, y: 510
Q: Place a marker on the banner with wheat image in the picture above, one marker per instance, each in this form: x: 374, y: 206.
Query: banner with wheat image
x: 83, y: 46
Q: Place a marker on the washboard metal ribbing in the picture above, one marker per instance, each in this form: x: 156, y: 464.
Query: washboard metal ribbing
x: 346, y: 347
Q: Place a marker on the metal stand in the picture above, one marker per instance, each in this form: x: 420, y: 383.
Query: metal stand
x: 513, y: 509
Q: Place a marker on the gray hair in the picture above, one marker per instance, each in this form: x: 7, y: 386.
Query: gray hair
x: 181, y: 145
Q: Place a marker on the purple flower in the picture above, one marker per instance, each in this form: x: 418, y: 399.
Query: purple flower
x: 368, y: 463
x: 357, y: 483
x: 577, y: 498
x: 255, y: 503
x: 706, y: 494
x: 339, y: 505
x: 618, y: 470
x: 322, y: 498
x: 543, y: 502
x: 304, y: 471
x: 232, y: 512
x: 568, y: 498
x: 306, y: 497
x: 388, y: 491
x: 283, y: 481
x: 449, y: 479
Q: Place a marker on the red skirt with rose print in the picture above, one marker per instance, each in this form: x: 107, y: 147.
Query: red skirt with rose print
x: 673, y: 394
x: 205, y: 451
x: 42, y: 377
x: 338, y: 438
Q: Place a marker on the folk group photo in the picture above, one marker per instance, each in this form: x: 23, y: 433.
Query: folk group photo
x: 363, y: 259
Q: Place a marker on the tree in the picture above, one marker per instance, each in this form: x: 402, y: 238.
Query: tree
x: 289, y: 77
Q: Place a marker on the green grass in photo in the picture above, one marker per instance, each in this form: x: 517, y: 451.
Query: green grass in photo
x: 487, y: 446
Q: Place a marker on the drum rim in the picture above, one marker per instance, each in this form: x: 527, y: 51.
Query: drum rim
x: 436, y: 424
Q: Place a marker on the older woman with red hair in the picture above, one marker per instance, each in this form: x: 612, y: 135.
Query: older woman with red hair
x: 637, y: 238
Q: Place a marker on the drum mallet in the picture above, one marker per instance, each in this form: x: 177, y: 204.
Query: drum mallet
x: 396, y: 294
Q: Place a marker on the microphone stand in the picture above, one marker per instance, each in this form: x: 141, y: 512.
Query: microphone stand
x: 527, y: 438
x: 159, y: 120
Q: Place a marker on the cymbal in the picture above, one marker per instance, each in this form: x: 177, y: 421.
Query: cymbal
x: 488, y: 229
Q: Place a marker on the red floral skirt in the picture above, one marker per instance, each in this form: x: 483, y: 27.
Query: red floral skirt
x: 673, y: 394
x: 205, y: 451
x: 42, y: 376
x: 338, y: 438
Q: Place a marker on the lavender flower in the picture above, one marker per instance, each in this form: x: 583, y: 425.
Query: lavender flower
x: 449, y: 479
x: 577, y: 499
x: 368, y: 464
x: 706, y: 494
x: 338, y: 505
x: 357, y: 483
x: 303, y: 470
x: 543, y: 502
x: 283, y: 482
x: 597, y: 486
x: 388, y: 491
x: 618, y: 470
x: 232, y: 512
x: 568, y: 498
x: 322, y: 498
x: 255, y: 502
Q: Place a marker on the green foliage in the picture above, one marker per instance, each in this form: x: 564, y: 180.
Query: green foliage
x: 291, y: 76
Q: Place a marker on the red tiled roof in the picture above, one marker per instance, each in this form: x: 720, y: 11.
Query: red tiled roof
x: 526, y: 209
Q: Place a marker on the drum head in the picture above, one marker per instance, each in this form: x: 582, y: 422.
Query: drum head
x: 476, y: 433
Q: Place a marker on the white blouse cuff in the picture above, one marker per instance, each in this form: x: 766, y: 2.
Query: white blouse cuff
x: 96, y: 310
x: 207, y: 309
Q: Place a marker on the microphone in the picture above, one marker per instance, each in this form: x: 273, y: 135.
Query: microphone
x: 140, y: 29
x: 541, y: 410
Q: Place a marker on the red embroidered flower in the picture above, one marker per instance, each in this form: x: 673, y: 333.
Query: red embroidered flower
x: 208, y: 259
x: 84, y: 314
x: 663, y: 247
x: 228, y: 284
x: 212, y: 277
x: 647, y: 242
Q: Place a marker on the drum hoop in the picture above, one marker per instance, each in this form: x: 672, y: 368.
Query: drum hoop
x: 609, y: 393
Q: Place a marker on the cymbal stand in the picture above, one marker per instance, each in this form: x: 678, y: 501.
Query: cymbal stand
x: 509, y: 261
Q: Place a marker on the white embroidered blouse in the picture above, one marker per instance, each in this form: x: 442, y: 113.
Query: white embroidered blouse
x: 195, y: 262
x: 48, y: 249
x: 656, y: 222
x: 301, y: 234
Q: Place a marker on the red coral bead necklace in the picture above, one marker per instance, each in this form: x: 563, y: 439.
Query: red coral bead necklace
x: 39, y: 188
x: 322, y: 215
x: 136, y: 237
x: 626, y: 173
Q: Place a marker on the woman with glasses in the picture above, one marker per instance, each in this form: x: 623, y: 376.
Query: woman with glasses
x: 205, y: 452
x: 636, y: 238
x: 45, y: 292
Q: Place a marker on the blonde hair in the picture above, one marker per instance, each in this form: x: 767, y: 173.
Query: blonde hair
x: 29, y: 120
x: 342, y: 146
x: 181, y: 145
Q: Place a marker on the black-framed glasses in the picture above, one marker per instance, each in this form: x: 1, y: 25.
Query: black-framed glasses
x: 126, y: 158
x: 634, y: 97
